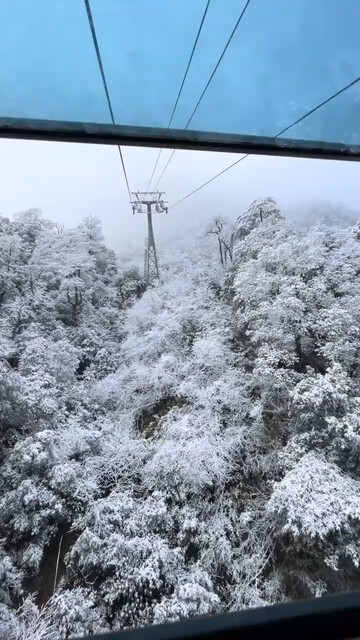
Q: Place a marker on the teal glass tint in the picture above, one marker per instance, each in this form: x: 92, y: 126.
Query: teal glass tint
x: 285, y: 58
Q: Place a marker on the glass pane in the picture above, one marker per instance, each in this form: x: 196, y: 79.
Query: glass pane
x: 284, y: 59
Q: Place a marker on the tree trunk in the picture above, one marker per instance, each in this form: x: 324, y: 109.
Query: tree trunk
x: 221, y: 251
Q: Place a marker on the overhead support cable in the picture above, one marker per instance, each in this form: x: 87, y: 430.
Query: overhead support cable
x: 103, y: 77
x: 306, y: 115
x: 181, y: 87
x: 209, y: 80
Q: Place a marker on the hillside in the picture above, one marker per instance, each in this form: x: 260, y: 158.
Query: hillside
x: 184, y: 450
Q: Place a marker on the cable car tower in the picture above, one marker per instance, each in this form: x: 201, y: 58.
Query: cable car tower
x: 147, y: 202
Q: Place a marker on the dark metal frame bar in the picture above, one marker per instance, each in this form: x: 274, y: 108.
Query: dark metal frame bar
x: 93, y: 133
x: 335, y: 617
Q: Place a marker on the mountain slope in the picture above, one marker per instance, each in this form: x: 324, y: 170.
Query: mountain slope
x: 184, y: 450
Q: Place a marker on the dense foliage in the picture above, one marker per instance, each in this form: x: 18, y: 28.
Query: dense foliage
x: 179, y: 451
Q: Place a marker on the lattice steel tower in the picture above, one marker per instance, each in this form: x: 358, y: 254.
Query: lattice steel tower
x: 147, y: 202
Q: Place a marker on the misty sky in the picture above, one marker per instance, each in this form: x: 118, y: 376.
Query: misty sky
x: 70, y: 181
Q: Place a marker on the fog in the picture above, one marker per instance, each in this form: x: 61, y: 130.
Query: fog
x: 70, y: 181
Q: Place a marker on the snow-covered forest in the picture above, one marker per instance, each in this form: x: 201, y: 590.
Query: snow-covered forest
x: 185, y: 450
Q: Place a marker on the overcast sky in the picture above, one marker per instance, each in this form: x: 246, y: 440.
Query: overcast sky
x: 70, y: 181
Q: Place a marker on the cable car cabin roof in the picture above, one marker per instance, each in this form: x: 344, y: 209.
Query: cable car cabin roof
x: 285, y: 60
